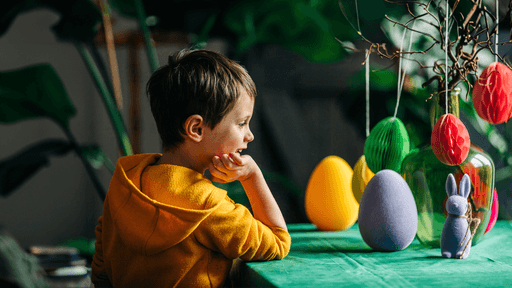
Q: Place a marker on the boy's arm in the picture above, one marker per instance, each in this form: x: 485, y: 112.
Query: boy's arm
x: 233, y: 231
x: 262, y: 201
x: 244, y: 168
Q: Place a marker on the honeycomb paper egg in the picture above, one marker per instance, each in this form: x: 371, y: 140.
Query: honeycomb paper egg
x: 361, y: 177
x: 492, y: 95
x: 450, y: 140
x: 329, y: 201
x: 387, y: 145
x: 388, y: 217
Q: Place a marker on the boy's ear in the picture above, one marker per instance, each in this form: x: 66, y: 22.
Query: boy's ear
x: 194, y: 127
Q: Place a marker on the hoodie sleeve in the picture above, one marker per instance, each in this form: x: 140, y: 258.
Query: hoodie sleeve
x: 99, y: 275
x: 233, y: 231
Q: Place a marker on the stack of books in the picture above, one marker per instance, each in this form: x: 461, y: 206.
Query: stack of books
x: 60, y: 261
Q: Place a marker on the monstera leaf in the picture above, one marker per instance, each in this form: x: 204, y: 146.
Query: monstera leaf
x: 78, y: 20
x: 18, y: 168
x: 32, y: 92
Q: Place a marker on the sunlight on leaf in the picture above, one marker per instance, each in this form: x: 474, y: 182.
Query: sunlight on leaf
x: 97, y: 157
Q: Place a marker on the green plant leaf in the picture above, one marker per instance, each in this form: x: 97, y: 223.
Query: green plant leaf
x: 78, y: 18
x: 32, y: 92
x: 97, y: 157
x: 18, y: 168
x: 299, y: 26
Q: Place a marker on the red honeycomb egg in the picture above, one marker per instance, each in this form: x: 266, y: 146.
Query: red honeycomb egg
x: 492, y: 94
x: 450, y: 140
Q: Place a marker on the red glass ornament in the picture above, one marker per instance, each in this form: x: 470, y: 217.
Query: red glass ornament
x: 492, y: 94
x: 450, y: 140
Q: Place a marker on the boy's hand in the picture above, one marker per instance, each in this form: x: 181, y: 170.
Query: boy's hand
x: 229, y: 168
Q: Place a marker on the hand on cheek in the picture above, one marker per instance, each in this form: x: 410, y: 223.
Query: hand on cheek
x: 228, y: 168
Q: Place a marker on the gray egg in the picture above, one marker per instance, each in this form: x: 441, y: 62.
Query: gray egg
x: 388, y: 218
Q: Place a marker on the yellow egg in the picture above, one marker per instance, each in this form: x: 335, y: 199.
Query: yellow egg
x: 362, y: 175
x: 329, y: 201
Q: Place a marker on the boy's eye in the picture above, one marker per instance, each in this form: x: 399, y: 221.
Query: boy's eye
x: 242, y: 124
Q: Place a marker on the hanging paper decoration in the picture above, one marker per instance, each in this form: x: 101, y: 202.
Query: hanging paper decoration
x: 387, y: 145
x: 492, y: 94
x: 450, y: 140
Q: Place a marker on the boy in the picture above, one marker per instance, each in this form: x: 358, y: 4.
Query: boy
x: 164, y: 224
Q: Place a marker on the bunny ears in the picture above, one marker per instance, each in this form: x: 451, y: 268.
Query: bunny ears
x: 464, y: 186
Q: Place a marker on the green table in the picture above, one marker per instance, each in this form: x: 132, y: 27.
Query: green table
x: 342, y: 259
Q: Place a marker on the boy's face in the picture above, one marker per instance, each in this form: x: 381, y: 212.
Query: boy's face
x: 232, y: 134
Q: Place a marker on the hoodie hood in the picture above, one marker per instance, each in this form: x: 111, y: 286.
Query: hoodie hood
x: 157, y: 206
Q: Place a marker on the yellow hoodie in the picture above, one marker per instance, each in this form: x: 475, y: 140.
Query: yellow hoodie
x: 169, y: 226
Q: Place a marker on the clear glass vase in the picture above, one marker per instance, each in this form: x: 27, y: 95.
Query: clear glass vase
x: 426, y: 176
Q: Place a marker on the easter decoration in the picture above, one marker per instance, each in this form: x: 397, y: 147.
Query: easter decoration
x: 449, y: 149
x: 388, y: 142
x: 387, y: 145
x: 362, y: 173
x: 492, y: 94
x: 452, y: 44
x: 457, y: 235
x: 450, y: 138
x: 388, y: 218
x: 329, y: 201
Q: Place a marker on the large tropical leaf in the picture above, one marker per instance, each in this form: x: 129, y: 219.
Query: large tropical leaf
x: 78, y: 20
x: 32, y: 92
x: 16, y: 169
x: 296, y: 25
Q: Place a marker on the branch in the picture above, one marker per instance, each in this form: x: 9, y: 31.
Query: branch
x: 410, y: 29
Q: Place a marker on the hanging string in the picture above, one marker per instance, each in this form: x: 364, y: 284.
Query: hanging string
x: 357, y: 17
x: 446, y: 60
x: 401, y: 77
x: 497, y: 31
x: 367, y: 68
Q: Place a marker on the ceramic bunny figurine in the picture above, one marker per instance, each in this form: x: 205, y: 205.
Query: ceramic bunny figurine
x: 456, y: 235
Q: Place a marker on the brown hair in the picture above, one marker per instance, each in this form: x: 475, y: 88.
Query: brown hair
x: 195, y: 82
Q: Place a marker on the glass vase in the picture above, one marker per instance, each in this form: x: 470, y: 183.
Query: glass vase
x: 426, y: 176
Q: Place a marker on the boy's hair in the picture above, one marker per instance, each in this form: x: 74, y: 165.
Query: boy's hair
x: 195, y: 82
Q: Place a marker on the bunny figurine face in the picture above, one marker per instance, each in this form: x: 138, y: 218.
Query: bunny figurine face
x: 457, y: 204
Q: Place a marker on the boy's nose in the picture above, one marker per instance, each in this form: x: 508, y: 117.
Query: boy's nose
x: 249, y: 136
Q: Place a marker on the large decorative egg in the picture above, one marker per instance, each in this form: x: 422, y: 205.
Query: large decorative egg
x: 330, y: 203
x: 361, y: 177
x: 492, y: 94
x: 388, y: 217
x: 450, y: 140
x: 387, y: 145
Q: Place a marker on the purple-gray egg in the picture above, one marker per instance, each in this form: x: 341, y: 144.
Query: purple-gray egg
x: 388, y: 218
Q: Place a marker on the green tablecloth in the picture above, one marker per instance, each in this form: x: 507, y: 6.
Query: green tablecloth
x: 342, y: 259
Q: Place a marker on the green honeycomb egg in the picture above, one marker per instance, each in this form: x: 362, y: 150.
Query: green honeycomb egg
x: 387, y: 145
